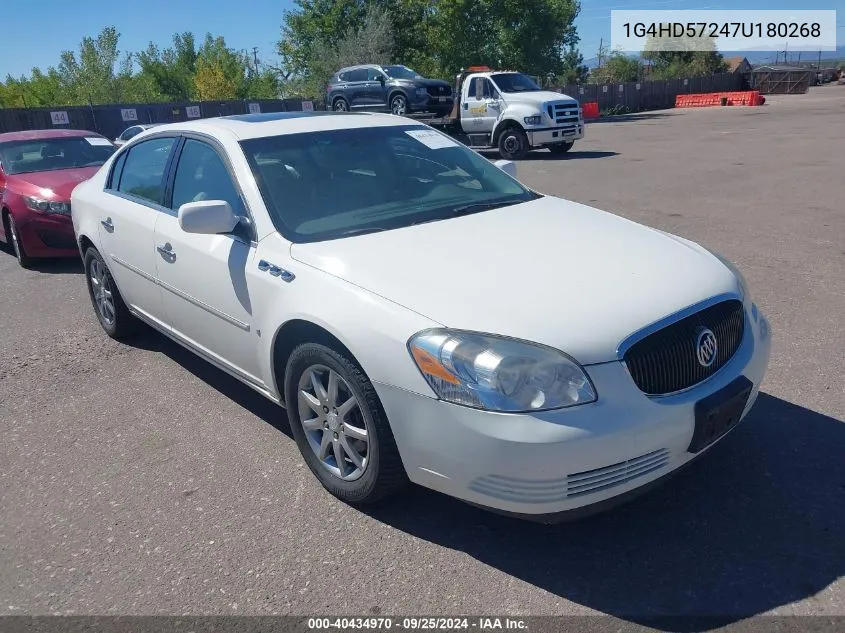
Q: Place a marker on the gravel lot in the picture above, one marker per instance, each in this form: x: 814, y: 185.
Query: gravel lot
x: 140, y: 480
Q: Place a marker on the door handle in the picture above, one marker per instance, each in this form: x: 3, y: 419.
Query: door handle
x: 167, y: 251
x: 107, y: 223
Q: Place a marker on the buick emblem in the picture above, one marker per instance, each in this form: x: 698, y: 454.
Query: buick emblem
x: 706, y: 347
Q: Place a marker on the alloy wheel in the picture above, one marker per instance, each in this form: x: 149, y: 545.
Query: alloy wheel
x: 102, y: 291
x: 334, y: 424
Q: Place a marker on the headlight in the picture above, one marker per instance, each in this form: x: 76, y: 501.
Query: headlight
x: 498, y: 374
x: 47, y: 206
x: 743, y: 284
x: 533, y: 120
x: 422, y: 92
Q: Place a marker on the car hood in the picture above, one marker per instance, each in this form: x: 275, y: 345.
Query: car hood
x: 51, y: 185
x: 550, y: 271
x: 539, y: 97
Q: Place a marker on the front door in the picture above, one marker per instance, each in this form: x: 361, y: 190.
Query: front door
x: 128, y: 223
x: 204, y: 278
x: 376, y: 87
x: 481, y: 107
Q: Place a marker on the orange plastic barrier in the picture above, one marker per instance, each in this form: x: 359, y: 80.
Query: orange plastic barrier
x: 591, y: 110
x: 704, y: 100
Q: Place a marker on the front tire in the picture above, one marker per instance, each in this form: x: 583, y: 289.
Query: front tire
x: 13, y: 236
x: 561, y: 148
x: 109, y: 307
x: 513, y: 143
x: 340, y: 427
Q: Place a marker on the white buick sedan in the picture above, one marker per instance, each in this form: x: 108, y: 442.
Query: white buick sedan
x: 421, y: 314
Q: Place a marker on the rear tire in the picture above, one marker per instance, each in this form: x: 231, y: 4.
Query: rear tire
x: 561, y: 148
x: 14, y: 240
x: 513, y: 143
x: 340, y: 105
x: 108, y: 304
x: 343, y: 416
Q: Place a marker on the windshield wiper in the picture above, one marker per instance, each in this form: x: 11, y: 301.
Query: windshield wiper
x: 374, y: 229
x: 466, y: 209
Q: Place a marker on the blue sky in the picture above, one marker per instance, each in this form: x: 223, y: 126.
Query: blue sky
x: 36, y: 32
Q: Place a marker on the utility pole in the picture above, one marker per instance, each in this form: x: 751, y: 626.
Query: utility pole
x: 255, y: 57
x: 601, y: 50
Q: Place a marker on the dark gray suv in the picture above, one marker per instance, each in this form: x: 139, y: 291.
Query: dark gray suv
x: 395, y: 88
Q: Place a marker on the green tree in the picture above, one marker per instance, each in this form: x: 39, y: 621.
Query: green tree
x: 617, y: 68
x: 678, y: 58
x: 169, y: 74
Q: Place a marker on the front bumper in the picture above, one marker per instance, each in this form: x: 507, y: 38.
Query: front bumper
x: 545, y: 465
x: 46, y: 235
x: 550, y: 136
x: 429, y: 103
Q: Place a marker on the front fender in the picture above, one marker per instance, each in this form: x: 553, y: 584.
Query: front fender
x: 374, y: 329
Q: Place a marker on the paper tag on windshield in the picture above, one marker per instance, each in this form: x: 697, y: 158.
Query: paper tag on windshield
x: 96, y: 140
x: 432, y: 138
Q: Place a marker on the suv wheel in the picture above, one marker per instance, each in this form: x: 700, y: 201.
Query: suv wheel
x: 340, y: 105
x: 339, y: 426
x: 399, y: 104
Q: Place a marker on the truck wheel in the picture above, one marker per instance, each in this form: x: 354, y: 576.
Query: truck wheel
x: 561, y: 148
x: 513, y: 143
x: 340, y: 105
x: 399, y: 104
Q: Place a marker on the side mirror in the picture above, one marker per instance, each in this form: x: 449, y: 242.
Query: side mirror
x: 507, y: 166
x: 207, y: 217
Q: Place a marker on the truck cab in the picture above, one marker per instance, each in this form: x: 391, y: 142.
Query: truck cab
x: 508, y: 111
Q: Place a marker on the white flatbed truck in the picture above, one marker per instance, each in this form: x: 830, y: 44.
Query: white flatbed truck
x: 507, y: 111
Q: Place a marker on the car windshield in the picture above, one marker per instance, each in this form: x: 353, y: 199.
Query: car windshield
x: 327, y: 185
x: 49, y: 154
x: 515, y: 82
x: 401, y: 72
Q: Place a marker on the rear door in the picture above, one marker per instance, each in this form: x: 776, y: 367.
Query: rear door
x: 357, y: 90
x: 205, y: 279
x: 128, y: 222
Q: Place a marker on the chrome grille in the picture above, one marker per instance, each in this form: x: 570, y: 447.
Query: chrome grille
x: 563, y: 112
x: 665, y: 361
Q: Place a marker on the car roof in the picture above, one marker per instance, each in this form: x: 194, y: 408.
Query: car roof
x: 35, y: 135
x: 247, y: 126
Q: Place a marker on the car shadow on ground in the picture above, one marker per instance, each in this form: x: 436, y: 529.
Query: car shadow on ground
x: 271, y: 413
x: 635, y: 116
x: 573, y: 154
x: 51, y: 266
x: 754, y: 525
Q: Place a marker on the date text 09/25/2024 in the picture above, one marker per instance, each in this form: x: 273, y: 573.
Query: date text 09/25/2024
x: 416, y: 624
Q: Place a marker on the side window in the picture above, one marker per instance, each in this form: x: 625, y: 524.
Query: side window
x: 358, y: 75
x: 343, y: 76
x: 143, y: 169
x: 373, y: 74
x: 481, y: 88
x: 116, y: 170
x: 202, y: 175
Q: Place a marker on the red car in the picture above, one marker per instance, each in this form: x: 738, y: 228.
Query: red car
x: 38, y: 171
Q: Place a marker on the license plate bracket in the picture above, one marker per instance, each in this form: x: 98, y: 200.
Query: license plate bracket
x: 719, y: 413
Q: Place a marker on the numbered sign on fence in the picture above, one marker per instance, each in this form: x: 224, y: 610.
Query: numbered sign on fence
x: 604, y: 88
x: 638, y: 86
x: 60, y: 118
x: 621, y: 87
x: 254, y: 108
x: 193, y: 112
x: 307, y: 106
x: 581, y: 90
x: 129, y: 114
